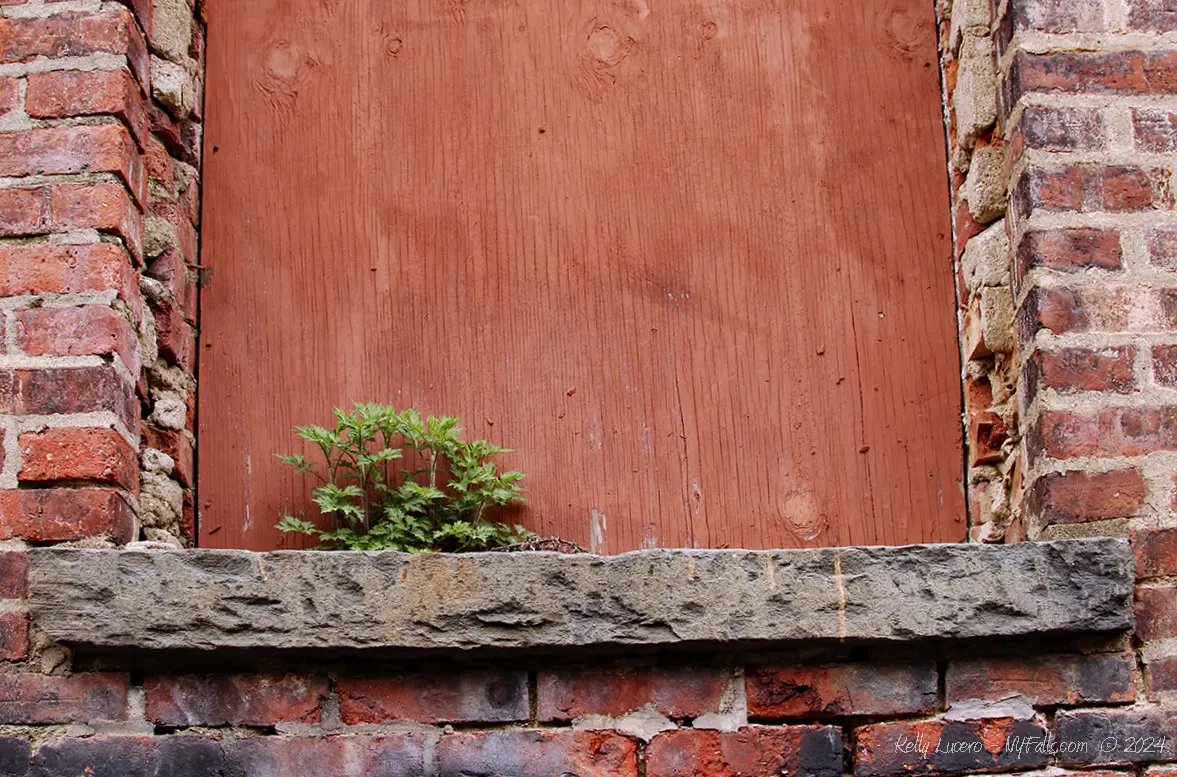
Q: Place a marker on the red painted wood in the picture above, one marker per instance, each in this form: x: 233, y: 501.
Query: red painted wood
x: 690, y: 258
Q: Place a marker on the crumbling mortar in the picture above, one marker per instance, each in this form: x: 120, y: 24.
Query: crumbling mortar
x: 90, y: 62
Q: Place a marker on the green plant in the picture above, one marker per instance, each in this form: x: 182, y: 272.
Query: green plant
x: 399, y: 481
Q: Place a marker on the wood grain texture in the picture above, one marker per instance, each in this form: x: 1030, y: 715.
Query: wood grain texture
x: 690, y: 258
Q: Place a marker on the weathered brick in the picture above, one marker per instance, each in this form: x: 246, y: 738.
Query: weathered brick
x: 165, y: 756
x: 1077, y: 497
x: 395, y: 755
x: 14, y: 575
x: 65, y: 93
x: 9, y: 94
x: 1046, y: 681
x: 537, y: 754
x: 1152, y: 15
x: 75, y: 35
x: 1116, y: 737
x: 754, y: 751
x: 67, y: 269
x: 1086, y: 188
x: 1063, y: 129
x: 681, y: 692
x: 1127, y: 72
x: 1162, y: 247
x: 845, y: 689
x: 1161, y: 675
x: 1154, y: 130
x: 1156, y: 612
x: 1115, y: 309
x: 177, y: 340
x: 14, y: 636
x: 63, y: 514
x: 466, y: 697
x: 1058, y: 15
x: 74, y: 390
x: 170, y: 270
x: 175, y: 444
x: 1068, y: 250
x: 1119, y: 431
x: 235, y: 700
x: 75, y: 698
x: 947, y: 747
x: 1156, y: 552
x: 78, y: 331
x: 1164, y: 364
x: 74, y: 454
x: 105, y: 206
x: 105, y: 148
x: 1071, y: 370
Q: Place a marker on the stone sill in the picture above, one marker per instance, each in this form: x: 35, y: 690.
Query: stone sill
x: 205, y: 600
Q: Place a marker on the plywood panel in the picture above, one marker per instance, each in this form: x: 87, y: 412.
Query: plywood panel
x: 690, y: 258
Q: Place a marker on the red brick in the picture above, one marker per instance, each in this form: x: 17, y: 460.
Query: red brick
x: 845, y: 689
x: 1068, y: 250
x: 175, y: 444
x: 1162, y: 247
x: 1121, y: 431
x: 62, y: 514
x: 1156, y: 612
x: 1063, y: 129
x: 9, y: 94
x: 71, y: 454
x: 1161, y: 675
x: 978, y: 394
x: 941, y: 746
x: 106, y: 148
x: 1046, y: 681
x: 234, y: 700
x: 1164, y: 365
x: 14, y: 575
x: 1156, y: 552
x: 188, y: 241
x: 1154, y: 130
x: 1058, y: 15
x: 3, y: 433
x: 987, y: 435
x: 14, y: 636
x: 1152, y: 15
x: 74, y: 390
x: 1127, y: 72
x: 75, y: 698
x: 685, y: 692
x: 966, y: 227
x: 1087, y: 188
x: 78, y: 331
x: 467, y: 697
x: 68, y: 269
x: 75, y: 35
x: 170, y: 270
x: 393, y: 755
x: 177, y: 340
x: 1077, y: 497
x: 1071, y: 370
x: 1115, y: 309
x: 61, y: 94
x: 142, y: 11
x: 105, y: 206
x: 755, y: 751
x: 538, y: 754
x: 160, y: 165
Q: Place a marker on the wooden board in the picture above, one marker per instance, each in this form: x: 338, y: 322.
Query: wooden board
x: 690, y: 258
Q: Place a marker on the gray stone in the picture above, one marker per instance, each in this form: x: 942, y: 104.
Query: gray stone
x: 985, y: 184
x: 975, y: 97
x: 968, y: 16
x: 207, y: 599
x: 985, y: 261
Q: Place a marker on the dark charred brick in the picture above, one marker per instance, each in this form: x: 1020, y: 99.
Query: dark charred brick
x: 537, y: 754
x: 486, y: 697
x: 1104, y: 738
x: 395, y: 755
x: 1045, y: 680
x: 95, y: 757
x: 14, y: 757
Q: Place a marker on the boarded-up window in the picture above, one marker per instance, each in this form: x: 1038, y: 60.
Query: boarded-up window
x: 689, y: 258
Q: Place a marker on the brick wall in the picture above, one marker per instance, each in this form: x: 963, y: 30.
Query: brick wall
x: 99, y: 212
x: 1061, y: 119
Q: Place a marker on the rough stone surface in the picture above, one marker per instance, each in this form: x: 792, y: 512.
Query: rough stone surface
x: 976, y: 90
x: 985, y: 184
x: 208, y: 599
x: 985, y: 261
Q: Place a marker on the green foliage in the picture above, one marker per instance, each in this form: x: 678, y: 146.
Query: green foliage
x: 398, y: 481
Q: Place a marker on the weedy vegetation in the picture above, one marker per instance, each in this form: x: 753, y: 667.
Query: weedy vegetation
x: 395, y: 480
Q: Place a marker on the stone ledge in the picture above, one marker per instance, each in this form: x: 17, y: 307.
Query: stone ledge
x: 290, y: 600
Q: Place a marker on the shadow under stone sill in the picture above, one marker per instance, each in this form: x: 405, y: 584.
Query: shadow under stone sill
x: 305, y: 602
